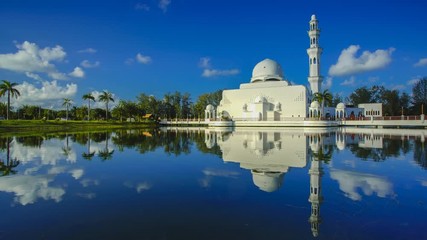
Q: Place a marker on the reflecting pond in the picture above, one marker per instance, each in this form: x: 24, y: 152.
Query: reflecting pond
x: 201, y: 183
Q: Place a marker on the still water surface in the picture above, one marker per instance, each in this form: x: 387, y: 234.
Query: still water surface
x: 215, y: 184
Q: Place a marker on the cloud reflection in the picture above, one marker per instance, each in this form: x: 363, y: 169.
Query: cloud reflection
x: 210, y: 173
x: 28, y: 189
x: 350, y: 182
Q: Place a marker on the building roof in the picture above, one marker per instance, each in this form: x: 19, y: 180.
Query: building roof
x: 267, y: 70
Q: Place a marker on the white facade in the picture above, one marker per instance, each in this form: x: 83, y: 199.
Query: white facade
x: 372, y: 109
x: 268, y: 97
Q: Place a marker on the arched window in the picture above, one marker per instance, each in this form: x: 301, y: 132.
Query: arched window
x: 314, y: 60
x: 314, y: 40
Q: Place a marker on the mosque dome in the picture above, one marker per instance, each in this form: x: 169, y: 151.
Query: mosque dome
x: 267, y: 181
x: 210, y: 107
x: 313, y: 17
x: 315, y: 104
x: 340, y: 105
x: 267, y: 70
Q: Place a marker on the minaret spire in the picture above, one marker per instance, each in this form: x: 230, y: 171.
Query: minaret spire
x: 316, y: 198
x: 314, y: 52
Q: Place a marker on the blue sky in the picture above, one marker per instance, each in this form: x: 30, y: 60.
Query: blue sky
x: 58, y: 49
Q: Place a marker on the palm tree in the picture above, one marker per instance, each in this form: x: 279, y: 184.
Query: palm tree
x: 9, y: 87
x: 88, y: 155
x: 67, y: 103
x: 88, y: 97
x: 8, y: 167
x: 106, y: 97
x: 106, y: 154
x: 326, y: 96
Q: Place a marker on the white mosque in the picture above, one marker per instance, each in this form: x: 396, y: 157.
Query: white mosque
x: 271, y: 100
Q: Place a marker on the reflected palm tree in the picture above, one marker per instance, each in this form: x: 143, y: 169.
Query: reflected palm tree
x: 8, y: 167
x: 106, y: 154
x: 88, y: 155
x: 66, y: 150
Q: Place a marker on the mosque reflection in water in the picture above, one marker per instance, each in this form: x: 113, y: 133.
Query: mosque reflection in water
x: 269, y: 154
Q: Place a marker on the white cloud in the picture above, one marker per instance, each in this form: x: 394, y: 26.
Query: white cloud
x: 143, y: 59
x: 211, y: 173
x: 398, y: 87
x: 28, y: 189
x: 30, y: 58
x: 88, y: 196
x: 208, y: 71
x: 349, y: 82
x: 350, y: 182
x: 348, y: 63
x: 46, y: 154
x: 217, y: 72
x: 422, y: 62
x: 34, y: 76
x: 164, y: 4
x: 327, y: 83
x: 88, y: 64
x: 77, y: 173
x: 205, y: 62
x: 87, y: 50
x: 47, y: 95
x: 142, y: 6
x: 77, y: 72
x: 413, y: 81
x: 89, y: 182
x: 423, y: 183
x: 140, y: 187
x: 99, y: 104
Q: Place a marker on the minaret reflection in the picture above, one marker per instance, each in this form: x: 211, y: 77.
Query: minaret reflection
x: 316, y: 173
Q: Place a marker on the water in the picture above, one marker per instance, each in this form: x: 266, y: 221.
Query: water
x: 215, y: 184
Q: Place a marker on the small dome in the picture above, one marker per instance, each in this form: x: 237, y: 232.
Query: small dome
x: 267, y: 181
x: 340, y: 105
x: 260, y: 99
x: 315, y: 104
x: 267, y: 70
x: 210, y: 107
x: 313, y: 17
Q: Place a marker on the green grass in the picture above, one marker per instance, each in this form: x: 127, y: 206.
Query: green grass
x: 29, y: 126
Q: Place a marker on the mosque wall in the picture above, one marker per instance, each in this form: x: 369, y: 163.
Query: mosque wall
x: 272, y: 103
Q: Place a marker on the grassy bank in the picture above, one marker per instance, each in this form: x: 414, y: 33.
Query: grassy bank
x: 19, y: 126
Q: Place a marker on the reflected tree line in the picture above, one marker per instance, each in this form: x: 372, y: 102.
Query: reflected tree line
x: 177, y: 142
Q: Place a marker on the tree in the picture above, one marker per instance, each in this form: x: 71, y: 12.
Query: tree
x: 88, y: 97
x: 391, y: 103
x: 337, y: 99
x: 323, y: 97
x: 67, y: 103
x: 9, y: 88
x: 419, y: 95
x: 203, y: 100
x: 106, y: 97
x: 360, y: 95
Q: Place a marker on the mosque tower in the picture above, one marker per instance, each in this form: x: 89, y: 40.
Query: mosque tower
x: 314, y: 53
x: 315, y: 198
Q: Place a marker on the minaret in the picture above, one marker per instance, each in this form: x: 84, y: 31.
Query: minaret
x: 314, y: 53
x: 315, y: 198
